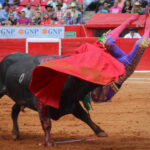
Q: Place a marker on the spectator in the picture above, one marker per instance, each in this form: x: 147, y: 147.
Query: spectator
x: 53, y: 3
x: 144, y: 5
x: 33, y: 22
x: 133, y: 1
x: 137, y: 8
x: 35, y: 11
x: 100, y: 4
x: 38, y: 18
x: 132, y: 34
x: 120, y: 3
x: 4, y: 14
x: 7, y: 23
x: 13, y: 3
x: 68, y: 19
x: 92, y: 5
x: 127, y: 7
x: 64, y: 5
x: 104, y: 8
x: 49, y: 10
x: 110, y: 3
x: 74, y: 11
x: 115, y: 9
x: 59, y: 12
x: 82, y: 20
x: 11, y: 11
x: 2, y: 2
x: 1, y: 6
x: 46, y: 20
x: 12, y: 19
x: 56, y: 21
x: 77, y: 3
x: 148, y: 10
x: 23, y: 20
x: 28, y: 10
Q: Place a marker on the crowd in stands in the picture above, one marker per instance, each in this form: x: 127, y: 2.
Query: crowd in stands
x: 118, y: 6
x: 57, y: 12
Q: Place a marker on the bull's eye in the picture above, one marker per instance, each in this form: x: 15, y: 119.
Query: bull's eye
x: 21, y: 77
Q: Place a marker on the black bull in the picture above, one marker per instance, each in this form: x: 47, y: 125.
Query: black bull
x: 15, y: 75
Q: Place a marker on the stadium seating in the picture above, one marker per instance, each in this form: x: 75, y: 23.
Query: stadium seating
x: 19, y: 8
x: 44, y: 2
x: 41, y: 2
x: 23, y: 2
x: 67, y: 1
x: 33, y: 2
x: 42, y: 8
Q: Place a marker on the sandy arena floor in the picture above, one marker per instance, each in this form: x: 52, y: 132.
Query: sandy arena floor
x: 126, y: 120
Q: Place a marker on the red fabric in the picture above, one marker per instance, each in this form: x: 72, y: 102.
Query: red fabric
x: 91, y: 63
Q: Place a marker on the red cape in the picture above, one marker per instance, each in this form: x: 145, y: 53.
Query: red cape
x: 91, y: 63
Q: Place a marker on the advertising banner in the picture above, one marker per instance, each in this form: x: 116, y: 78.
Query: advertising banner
x: 31, y: 32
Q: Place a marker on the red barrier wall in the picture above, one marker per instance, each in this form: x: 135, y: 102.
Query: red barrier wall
x: 79, y: 29
x: 68, y: 45
x: 8, y: 46
x: 49, y: 48
x: 111, y: 21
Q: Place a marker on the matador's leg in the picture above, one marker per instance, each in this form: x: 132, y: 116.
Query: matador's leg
x: 114, y: 34
x: 130, y: 61
x: 140, y: 42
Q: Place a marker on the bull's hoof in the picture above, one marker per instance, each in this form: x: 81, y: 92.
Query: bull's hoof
x: 102, y: 134
x: 15, y: 136
x: 48, y: 144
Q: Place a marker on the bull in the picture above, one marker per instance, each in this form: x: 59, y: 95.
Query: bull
x: 15, y: 76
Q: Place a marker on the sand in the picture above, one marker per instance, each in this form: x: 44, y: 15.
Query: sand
x: 126, y: 120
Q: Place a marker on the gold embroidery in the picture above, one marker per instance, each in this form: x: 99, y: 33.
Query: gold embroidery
x: 114, y: 87
x: 131, y: 67
x: 104, y: 39
x: 144, y: 43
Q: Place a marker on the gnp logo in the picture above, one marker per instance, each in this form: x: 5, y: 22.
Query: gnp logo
x: 7, y: 31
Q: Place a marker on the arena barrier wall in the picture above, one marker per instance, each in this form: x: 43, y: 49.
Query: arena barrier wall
x: 111, y: 21
x: 68, y: 46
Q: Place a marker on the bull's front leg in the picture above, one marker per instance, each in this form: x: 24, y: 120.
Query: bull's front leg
x: 45, y: 122
x: 14, y: 115
x: 81, y: 114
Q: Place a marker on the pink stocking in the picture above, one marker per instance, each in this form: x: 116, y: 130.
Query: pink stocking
x: 147, y: 28
x: 116, y: 32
